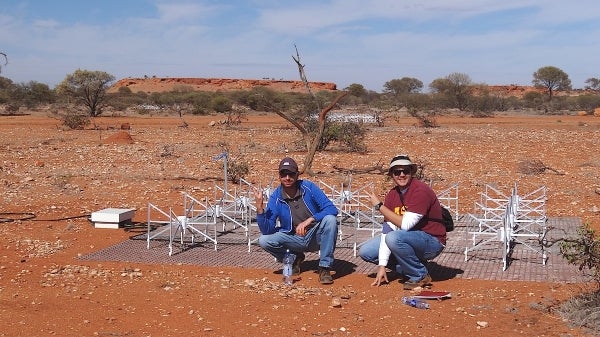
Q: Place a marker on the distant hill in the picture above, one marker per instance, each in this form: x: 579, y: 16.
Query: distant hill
x: 165, y: 84
x: 162, y: 84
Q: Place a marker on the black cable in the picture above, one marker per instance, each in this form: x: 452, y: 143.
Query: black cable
x: 21, y: 216
x: 16, y: 216
x: 67, y: 218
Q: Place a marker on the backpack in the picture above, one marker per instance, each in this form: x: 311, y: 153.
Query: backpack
x: 447, y: 220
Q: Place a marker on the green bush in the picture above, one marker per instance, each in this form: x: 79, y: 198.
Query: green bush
x: 221, y: 104
x: 350, y: 136
x: 583, y: 251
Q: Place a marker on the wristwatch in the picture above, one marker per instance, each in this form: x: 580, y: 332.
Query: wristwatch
x: 378, y: 206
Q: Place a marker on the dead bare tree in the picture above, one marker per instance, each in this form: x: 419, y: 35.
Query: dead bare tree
x: 5, y: 60
x: 312, y: 141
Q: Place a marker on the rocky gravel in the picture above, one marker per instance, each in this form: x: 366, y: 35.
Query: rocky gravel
x: 51, y: 179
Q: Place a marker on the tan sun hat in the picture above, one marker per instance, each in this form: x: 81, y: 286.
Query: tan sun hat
x: 401, y: 160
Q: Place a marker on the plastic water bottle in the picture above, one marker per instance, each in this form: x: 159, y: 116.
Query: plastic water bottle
x: 415, y: 302
x: 288, y: 261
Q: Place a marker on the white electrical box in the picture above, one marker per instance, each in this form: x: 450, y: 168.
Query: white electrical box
x: 112, y: 217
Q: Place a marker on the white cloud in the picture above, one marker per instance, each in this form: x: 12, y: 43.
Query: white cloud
x: 343, y: 41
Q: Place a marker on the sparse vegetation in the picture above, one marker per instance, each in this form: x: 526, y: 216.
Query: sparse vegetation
x: 584, y: 251
x: 349, y: 136
x: 455, y: 91
x: 534, y: 167
x: 425, y: 119
x: 235, y: 116
x: 75, y: 121
x: 583, y: 310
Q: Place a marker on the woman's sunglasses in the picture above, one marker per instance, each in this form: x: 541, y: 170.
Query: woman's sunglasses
x: 398, y: 172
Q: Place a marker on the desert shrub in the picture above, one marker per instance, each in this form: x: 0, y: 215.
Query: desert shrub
x: 124, y: 98
x: 349, y: 135
x: 513, y: 103
x: 33, y: 94
x: 425, y: 119
x: 559, y: 104
x: 531, y: 167
x: 200, y: 102
x: 259, y: 99
x: 263, y: 99
x: 585, y: 102
x: 583, y: 310
x: 11, y: 108
x: 237, y: 168
x: 7, y: 87
x: 235, y: 116
x: 199, y: 109
x: 533, y: 99
x: 75, y: 121
x: 417, y: 101
x: 535, y: 167
x: 583, y: 251
x: 482, y: 106
x: 221, y: 104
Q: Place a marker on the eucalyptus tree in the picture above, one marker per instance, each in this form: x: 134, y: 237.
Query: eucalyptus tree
x: 87, y: 87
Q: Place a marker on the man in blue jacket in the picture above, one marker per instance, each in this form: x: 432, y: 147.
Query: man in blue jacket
x: 298, y: 217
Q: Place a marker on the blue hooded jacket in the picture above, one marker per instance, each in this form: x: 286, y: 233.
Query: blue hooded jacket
x: 314, y: 198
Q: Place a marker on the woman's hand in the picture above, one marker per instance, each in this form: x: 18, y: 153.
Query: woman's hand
x: 381, y: 277
x: 374, y: 198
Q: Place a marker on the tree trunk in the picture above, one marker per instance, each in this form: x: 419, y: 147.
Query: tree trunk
x: 314, y: 144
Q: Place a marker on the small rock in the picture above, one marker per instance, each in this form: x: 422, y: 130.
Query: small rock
x: 336, y: 302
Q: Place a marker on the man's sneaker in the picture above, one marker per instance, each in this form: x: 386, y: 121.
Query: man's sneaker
x: 325, y: 276
x: 426, y: 281
x: 297, y: 262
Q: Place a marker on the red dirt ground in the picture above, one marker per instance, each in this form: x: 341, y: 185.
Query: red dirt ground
x: 61, y: 176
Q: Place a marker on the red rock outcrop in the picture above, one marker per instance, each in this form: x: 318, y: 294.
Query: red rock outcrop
x: 158, y: 84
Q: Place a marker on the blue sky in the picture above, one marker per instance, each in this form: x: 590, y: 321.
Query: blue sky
x: 343, y: 41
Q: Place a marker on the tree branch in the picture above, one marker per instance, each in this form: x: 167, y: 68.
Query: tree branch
x: 5, y: 60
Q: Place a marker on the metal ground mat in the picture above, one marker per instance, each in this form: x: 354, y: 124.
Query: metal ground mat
x: 485, y: 264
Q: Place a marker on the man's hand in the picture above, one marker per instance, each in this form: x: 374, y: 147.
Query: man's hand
x: 304, y: 226
x: 381, y: 277
x: 258, y: 198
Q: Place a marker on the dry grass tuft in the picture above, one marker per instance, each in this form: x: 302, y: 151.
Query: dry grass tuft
x: 583, y: 311
x: 534, y: 167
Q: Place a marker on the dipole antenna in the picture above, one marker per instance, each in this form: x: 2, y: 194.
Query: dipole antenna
x: 223, y: 156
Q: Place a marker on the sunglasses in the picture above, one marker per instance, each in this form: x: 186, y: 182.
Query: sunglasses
x: 284, y: 174
x: 398, y: 172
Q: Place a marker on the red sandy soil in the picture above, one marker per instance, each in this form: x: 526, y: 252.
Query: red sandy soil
x: 60, y: 174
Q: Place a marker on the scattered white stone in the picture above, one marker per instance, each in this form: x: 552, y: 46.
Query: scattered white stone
x: 336, y: 302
